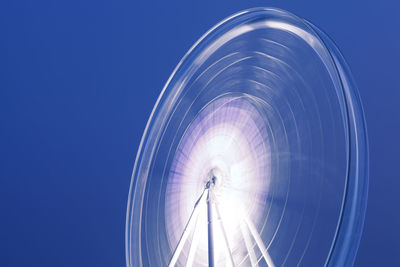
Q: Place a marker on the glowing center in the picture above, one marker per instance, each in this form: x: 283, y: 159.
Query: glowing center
x: 225, y: 149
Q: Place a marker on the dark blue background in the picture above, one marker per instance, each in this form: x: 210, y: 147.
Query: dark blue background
x: 78, y: 80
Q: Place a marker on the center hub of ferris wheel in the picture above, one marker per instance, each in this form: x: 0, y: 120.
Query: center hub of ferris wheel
x: 214, y: 178
x: 210, y: 183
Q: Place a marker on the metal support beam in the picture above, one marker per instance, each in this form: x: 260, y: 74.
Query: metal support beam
x: 186, y: 231
x: 249, y: 245
x: 259, y: 241
x: 193, y: 244
x: 210, y: 230
x: 228, y: 251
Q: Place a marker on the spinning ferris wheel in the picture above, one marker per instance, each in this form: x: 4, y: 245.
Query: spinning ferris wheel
x: 255, y: 153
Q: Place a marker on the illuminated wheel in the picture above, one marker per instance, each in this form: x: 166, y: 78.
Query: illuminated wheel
x: 255, y: 153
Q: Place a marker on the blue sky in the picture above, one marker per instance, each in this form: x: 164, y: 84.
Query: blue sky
x: 78, y: 80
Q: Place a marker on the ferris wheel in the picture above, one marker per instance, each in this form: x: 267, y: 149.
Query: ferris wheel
x: 255, y: 153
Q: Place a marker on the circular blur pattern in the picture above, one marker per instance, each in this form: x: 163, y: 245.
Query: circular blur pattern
x: 265, y: 103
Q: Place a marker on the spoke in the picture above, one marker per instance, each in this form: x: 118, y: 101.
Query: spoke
x: 259, y: 242
x: 227, y: 247
x: 186, y: 231
x: 249, y: 246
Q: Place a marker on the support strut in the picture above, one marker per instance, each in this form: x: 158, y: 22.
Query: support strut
x: 210, y: 230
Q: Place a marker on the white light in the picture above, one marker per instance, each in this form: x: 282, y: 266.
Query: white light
x: 229, y: 141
